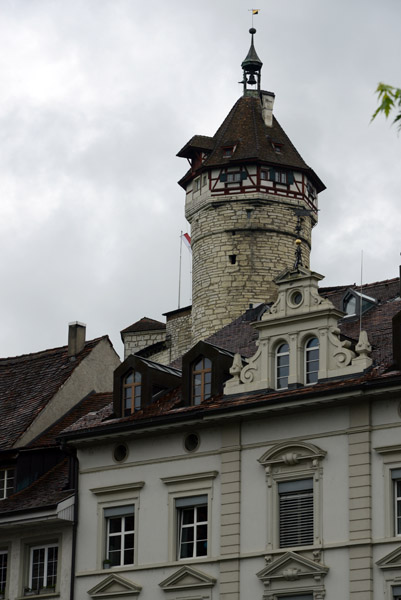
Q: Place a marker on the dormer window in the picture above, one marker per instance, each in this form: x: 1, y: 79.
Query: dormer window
x: 132, y: 389
x: 201, y: 380
x: 277, y: 147
x: 355, y: 303
x: 228, y: 151
x: 138, y: 382
x: 311, y: 361
x: 282, y: 366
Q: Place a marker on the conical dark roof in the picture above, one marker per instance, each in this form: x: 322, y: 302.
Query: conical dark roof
x: 245, y: 129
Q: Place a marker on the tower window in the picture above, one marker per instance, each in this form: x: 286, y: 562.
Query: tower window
x: 311, y: 361
x: 233, y: 177
x: 201, y: 380
x: 132, y: 385
x: 232, y: 259
x: 282, y: 366
x: 197, y: 184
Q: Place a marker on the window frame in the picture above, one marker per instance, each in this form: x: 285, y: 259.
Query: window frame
x: 6, y: 490
x: 395, y: 475
x: 45, y: 583
x: 3, y: 570
x: 300, y: 490
x: 189, y: 486
x: 278, y: 355
x: 197, y: 399
x: 306, y: 361
x: 291, y: 462
x: 136, y: 392
x: 194, y: 503
x: 124, y: 512
x: 116, y: 496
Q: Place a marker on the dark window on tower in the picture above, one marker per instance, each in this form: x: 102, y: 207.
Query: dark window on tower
x: 233, y: 259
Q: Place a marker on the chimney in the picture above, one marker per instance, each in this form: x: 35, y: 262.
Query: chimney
x: 76, y: 337
x: 267, y: 107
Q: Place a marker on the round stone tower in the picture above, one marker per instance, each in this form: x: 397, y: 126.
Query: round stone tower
x: 251, y: 201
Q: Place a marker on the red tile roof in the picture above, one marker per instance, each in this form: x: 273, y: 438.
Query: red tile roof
x: 27, y: 384
x: 240, y: 336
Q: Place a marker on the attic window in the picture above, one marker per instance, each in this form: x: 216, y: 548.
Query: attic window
x: 132, y: 388
x: 228, y: 151
x: 6, y: 483
x: 355, y: 303
x: 201, y: 380
x: 277, y: 147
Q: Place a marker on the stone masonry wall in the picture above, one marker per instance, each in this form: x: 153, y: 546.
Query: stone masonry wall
x: 260, y: 234
x: 135, y: 341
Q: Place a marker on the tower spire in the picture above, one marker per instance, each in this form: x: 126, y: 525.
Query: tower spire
x: 252, y: 67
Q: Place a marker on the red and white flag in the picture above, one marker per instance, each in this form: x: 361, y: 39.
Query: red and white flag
x: 187, y: 240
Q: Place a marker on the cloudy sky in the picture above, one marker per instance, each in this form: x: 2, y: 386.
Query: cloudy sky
x: 97, y: 96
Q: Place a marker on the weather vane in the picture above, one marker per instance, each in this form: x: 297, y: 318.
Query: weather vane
x: 253, y: 11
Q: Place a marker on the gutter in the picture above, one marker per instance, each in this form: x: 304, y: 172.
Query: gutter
x: 74, y: 460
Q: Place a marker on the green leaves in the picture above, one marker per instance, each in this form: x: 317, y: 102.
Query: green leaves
x: 390, y: 99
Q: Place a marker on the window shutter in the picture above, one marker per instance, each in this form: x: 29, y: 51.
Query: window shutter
x: 191, y: 501
x: 296, y: 513
x: 119, y: 511
x: 272, y: 175
x: 223, y: 177
x: 290, y: 177
x: 395, y: 473
x: 244, y: 175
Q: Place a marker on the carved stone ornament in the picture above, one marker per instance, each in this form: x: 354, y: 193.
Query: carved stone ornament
x: 291, y: 574
x: 343, y: 354
x: 363, y: 346
x: 236, y: 368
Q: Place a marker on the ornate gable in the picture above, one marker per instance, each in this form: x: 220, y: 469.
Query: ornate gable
x: 115, y: 586
x: 299, y: 314
x: 293, y: 573
x: 187, y: 578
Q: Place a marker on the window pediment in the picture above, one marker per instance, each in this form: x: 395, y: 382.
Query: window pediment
x: 187, y: 578
x: 115, y: 586
x: 291, y: 455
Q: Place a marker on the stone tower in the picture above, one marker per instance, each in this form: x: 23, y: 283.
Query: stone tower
x: 249, y: 197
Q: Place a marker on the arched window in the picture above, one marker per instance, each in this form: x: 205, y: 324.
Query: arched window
x: 132, y: 392
x: 201, y: 380
x: 282, y: 366
x: 311, y: 361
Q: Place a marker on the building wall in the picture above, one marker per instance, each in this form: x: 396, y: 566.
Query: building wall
x: 19, y: 539
x: 94, y: 373
x: 260, y: 231
x: 135, y: 341
x: 243, y: 513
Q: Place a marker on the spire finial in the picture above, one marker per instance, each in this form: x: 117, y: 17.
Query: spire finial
x: 251, y: 66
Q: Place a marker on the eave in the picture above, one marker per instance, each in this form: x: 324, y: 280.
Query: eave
x: 248, y: 406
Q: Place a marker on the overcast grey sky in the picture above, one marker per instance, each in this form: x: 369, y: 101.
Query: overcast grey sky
x: 97, y: 96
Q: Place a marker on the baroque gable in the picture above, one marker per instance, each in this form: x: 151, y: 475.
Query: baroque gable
x: 299, y: 314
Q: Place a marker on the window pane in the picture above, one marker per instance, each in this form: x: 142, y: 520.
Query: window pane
x: 208, y: 363
x: 3, y: 569
x: 187, y: 534
x: 187, y: 550
x: 129, y: 378
x: 115, y: 525
x: 129, y: 557
x: 187, y: 515
x: 115, y: 543
x: 129, y: 523
x: 202, y: 513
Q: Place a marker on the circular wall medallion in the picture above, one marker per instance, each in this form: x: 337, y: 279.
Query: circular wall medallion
x: 120, y: 453
x: 191, y: 442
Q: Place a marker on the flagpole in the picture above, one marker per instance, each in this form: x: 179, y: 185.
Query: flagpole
x: 179, y: 275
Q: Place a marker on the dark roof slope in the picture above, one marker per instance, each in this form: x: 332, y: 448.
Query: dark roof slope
x: 245, y: 128
x: 27, y: 384
x: 91, y: 404
x: 144, y: 324
x: 46, y: 492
